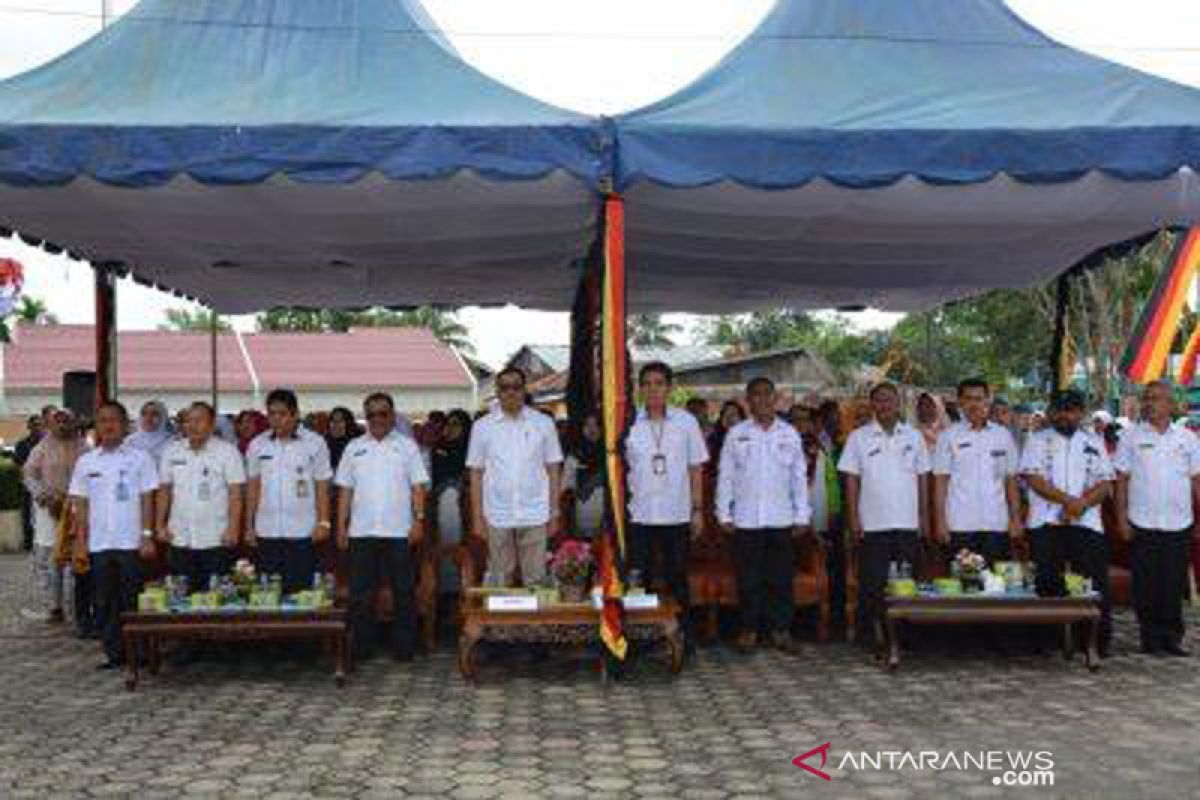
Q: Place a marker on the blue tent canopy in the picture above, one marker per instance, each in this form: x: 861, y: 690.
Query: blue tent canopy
x: 897, y: 153
x: 320, y: 152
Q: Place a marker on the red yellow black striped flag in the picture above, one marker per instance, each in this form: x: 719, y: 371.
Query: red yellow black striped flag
x: 615, y: 407
x: 1145, y: 358
x: 1187, y: 365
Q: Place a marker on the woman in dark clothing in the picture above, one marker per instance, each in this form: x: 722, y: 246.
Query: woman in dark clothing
x: 343, y: 429
x: 449, y: 455
x: 731, y: 414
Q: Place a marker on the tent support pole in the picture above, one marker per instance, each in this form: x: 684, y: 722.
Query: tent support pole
x: 214, y: 322
x: 1062, y: 298
x: 106, y: 333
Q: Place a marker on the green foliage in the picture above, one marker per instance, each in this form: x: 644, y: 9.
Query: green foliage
x: 650, y: 330
x: 443, y: 324
x: 183, y: 319
x: 11, y: 490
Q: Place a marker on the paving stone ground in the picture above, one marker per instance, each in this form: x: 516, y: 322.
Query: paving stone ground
x: 256, y: 726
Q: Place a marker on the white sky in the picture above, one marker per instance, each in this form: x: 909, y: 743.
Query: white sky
x: 599, y: 57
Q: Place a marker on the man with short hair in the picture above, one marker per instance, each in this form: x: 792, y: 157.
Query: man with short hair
x: 515, y: 458
x: 1069, y: 476
x: 113, y: 489
x: 1158, y: 490
x: 287, y: 505
x: 665, y: 451
x: 887, y: 477
x: 762, y: 501
x: 382, y: 486
x: 47, y: 476
x: 976, y: 504
x: 200, y: 500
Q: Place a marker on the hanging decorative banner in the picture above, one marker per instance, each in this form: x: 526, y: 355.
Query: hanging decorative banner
x: 12, y: 280
x: 1187, y: 365
x: 1146, y: 354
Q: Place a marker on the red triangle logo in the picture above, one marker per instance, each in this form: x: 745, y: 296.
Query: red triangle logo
x: 823, y: 750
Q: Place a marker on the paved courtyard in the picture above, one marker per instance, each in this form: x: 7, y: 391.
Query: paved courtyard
x: 729, y: 727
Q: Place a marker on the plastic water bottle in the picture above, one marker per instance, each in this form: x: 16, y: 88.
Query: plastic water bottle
x: 893, y: 571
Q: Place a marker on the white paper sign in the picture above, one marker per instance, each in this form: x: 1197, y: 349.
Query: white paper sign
x: 512, y: 602
x: 643, y: 601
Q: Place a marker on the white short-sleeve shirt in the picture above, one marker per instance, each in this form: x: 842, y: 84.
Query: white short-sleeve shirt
x: 762, y: 481
x: 200, y: 482
x: 513, y: 453
x: 660, y: 455
x: 889, y: 470
x: 382, y: 473
x: 113, y: 482
x: 288, y: 470
x: 1073, y: 465
x: 979, y: 463
x: 1160, y: 468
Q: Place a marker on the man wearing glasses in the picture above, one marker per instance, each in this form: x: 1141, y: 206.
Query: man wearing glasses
x: 515, y: 459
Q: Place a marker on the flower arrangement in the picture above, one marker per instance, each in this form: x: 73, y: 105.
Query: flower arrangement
x: 970, y: 563
x: 571, y: 563
x: 243, y: 577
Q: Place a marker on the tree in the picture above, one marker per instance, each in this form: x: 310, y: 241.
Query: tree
x: 183, y: 319
x: 443, y: 325
x: 650, y: 330
x: 34, y: 311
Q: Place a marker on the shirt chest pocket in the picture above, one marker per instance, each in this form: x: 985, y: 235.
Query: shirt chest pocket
x: 785, y: 453
x: 743, y: 451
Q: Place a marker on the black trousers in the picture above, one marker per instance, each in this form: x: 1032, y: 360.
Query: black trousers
x: 876, y: 552
x: 199, y: 565
x: 118, y: 582
x: 992, y: 545
x: 660, y: 553
x: 295, y: 560
x: 765, y: 564
x: 26, y: 520
x: 835, y: 568
x: 1086, y: 551
x: 373, y: 559
x: 1158, y: 562
x: 86, y: 620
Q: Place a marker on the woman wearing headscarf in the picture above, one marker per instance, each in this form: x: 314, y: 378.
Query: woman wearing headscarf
x: 931, y: 419
x: 731, y: 414
x: 249, y: 424
x: 154, y: 430
x: 343, y: 429
x: 583, y: 478
x: 449, y: 456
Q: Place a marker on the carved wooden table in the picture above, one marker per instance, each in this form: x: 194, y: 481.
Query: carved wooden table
x: 992, y: 609
x: 150, y: 629
x: 563, y: 623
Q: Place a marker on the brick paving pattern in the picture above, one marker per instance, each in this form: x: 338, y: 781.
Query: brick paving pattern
x: 254, y: 726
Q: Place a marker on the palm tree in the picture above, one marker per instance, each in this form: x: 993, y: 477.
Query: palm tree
x: 184, y: 319
x: 444, y: 326
x: 650, y: 330
x: 33, y: 311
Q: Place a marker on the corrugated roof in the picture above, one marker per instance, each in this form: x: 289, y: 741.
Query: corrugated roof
x: 167, y: 360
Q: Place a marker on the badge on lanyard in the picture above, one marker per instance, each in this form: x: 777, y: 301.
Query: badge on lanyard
x: 123, y: 493
x: 301, y: 484
x: 204, y: 491
x: 658, y: 464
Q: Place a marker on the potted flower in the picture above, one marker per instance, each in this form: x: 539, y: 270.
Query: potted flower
x: 571, y: 566
x: 970, y: 569
x: 244, y: 577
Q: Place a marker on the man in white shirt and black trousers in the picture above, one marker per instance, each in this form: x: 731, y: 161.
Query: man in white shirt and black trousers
x: 1158, y: 490
x: 381, y: 516
x: 287, y: 502
x: 886, y: 467
x: 113, y: 490
x: 762, y: 501
x: 665, y: 451
x: 516, y: 473
x: 199, y: 508
x: 976, y: 503
x: 1069, y: 476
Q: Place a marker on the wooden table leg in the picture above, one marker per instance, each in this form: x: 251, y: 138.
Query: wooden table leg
x: 339, y: 655
x: 467, y: 642
x: 1068, y: 642
x: 674, y: 639
x: 154, y: 655
x: 893, y: 640
x: 1092, y: 656
x: 131, y: 661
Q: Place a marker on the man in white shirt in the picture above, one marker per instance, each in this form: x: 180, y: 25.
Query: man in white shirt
x: 887, y: 485
x: 976, y: 505
x: 762, y: 501
x: 1158, y: 490
x: 201, y: 481
x: 382, y: 487
x: 1069, y: 476
x: 287, y: 503
x: 113, y: 490
x: 665, y: 453
x: 515, y: 459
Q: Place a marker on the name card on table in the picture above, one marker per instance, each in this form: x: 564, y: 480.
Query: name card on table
x: 512, y: 602
x: 633, y: 602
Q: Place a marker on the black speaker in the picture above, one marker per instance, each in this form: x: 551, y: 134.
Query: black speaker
x: 79, y: 394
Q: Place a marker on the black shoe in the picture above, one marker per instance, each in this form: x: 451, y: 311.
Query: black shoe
x: 1177, y: 650
x: 1148, y: 649
x: 108, y: 664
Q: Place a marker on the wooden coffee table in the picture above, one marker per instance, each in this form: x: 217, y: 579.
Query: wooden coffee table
x: 563, y: 623
x: 151, y: 629
x: 985, y: 609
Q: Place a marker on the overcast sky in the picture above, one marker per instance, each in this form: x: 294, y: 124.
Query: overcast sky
x: 599, y: 57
